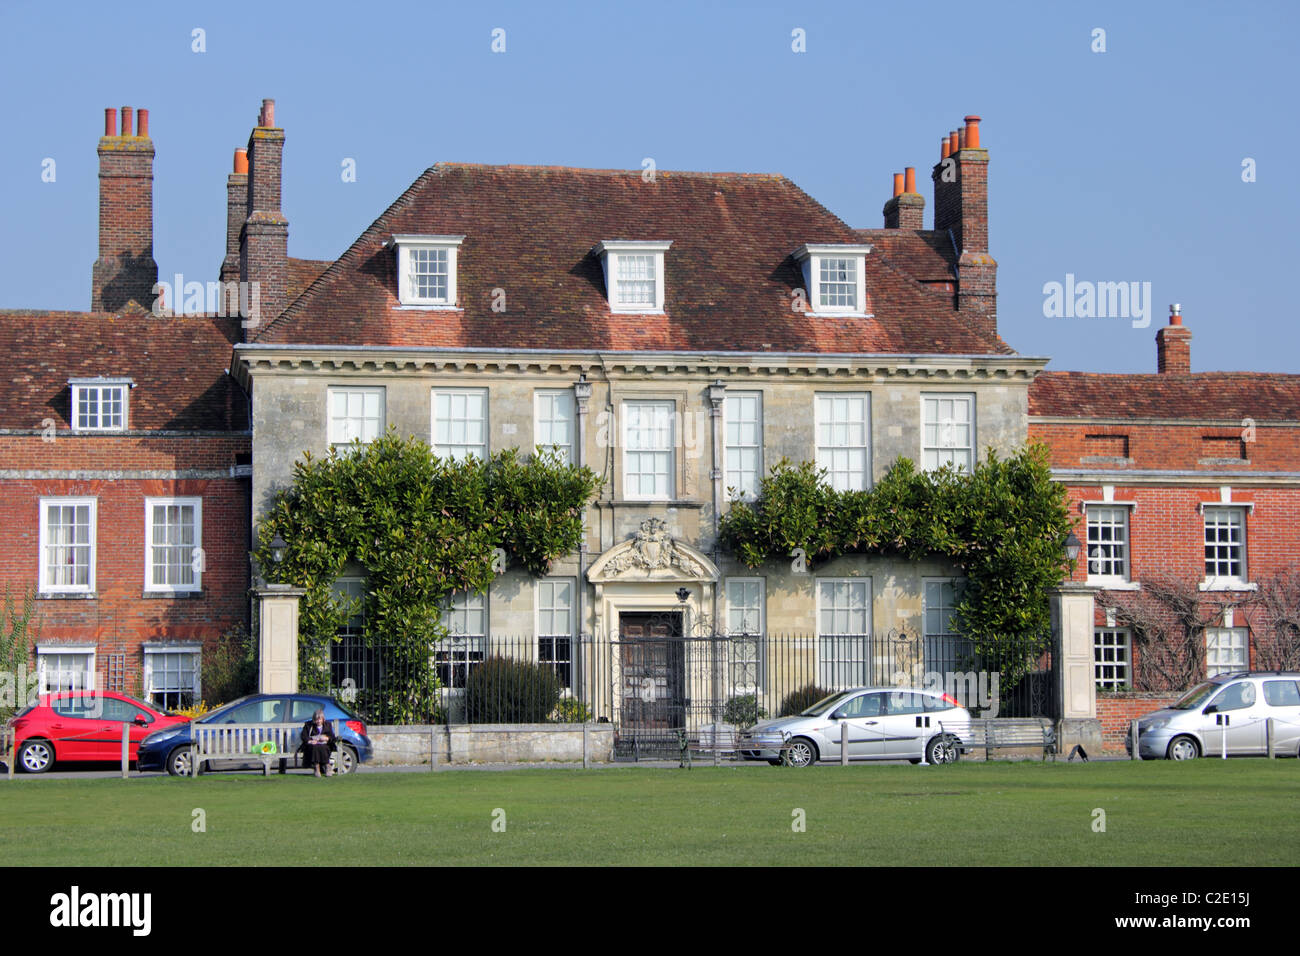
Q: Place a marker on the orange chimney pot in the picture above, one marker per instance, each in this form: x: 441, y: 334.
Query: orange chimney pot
x: 142, y: 123
x: 909, y: 179
x: 110, y: 122
x: 972, y: 132
x: 126, y: 120
x: 241, y: 160
x: 898, y: 184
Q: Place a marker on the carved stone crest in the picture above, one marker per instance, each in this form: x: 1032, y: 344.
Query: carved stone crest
x: 653, y: 549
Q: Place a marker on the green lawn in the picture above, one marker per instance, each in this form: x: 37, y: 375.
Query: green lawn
x: 1206, y: 812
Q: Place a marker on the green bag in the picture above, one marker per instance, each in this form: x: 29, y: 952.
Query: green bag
x: 268, y: 747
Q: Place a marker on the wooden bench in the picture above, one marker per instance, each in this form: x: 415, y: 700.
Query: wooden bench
x: 211, y: 742
x: 733, y: 741
x: 1005, y: 733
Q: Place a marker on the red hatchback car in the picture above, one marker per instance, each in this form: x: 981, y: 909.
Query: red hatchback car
x: 82, y: 725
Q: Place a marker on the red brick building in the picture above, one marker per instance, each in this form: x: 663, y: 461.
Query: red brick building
x: 1185, y: 489
x: 124, y: 463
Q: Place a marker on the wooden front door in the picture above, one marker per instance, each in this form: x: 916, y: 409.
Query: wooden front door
x: 653, y: 665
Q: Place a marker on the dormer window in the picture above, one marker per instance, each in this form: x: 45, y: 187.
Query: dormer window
x: 835, y: 278
x: 100, y: 404
x: 634, y: 274
x: 426, y: 270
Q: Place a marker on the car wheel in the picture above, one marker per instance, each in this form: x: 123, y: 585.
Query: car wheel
x: 1183, y: 748
x: 803, y: 752
x: 943, y: 749
x: 348, y: 761
x: 178, y: 762
x: 36, y: 756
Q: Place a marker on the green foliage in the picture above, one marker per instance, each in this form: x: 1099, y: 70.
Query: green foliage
x: 743, y: 711
x: 570, y: 710
x: 421, y: 527
x: 17, y: 636
x: 229, y: 668
x: 1004, y: 524
x: 796, y: 702
x: 503, y: 690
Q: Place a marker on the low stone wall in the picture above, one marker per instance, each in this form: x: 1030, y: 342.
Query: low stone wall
x: 491, y: 743
x: 1116, y: 710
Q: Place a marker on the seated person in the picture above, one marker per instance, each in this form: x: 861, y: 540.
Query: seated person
x: 318, y: 740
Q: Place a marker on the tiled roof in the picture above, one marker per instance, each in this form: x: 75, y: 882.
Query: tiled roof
x: 302, y: 273
x: 925, y: 254
x: 178, y: 366
x: 1261, y: 396
x: 530, y: 231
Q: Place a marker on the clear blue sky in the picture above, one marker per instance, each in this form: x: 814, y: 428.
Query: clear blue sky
x: 1117, y: 166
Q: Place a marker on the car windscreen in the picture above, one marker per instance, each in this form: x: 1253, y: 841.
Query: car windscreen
x: 824, y: 703
x: 1195, y: 697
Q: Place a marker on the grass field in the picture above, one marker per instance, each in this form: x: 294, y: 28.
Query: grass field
x: 1206, y: 812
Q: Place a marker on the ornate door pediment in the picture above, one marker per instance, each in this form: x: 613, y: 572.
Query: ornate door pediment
x: 652, y: 555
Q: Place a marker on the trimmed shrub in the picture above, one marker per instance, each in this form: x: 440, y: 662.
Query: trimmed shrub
x: 801, y: 699
x: 572, y: 711
x: 743, y: 711
x: 502, y: 690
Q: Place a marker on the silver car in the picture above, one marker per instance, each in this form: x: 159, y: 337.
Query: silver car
x: 1226, y: 714
x: 884, y: 723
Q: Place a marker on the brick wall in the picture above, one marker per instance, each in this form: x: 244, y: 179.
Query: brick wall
x: 1182, y: 447
x: 120, y: 617
x: 1116, y: 711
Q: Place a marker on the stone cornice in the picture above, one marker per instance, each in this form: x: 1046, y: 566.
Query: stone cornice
x: 1152, y: 476
x: 253, y: 359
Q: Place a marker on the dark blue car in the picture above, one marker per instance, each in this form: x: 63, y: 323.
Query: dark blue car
x: 170, y: 748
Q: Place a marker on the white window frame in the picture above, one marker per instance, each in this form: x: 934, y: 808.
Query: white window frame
x: 553, y: 634
x: 454, y: 650
x: 544, y: 397
x: 1115, y: 639
x: 940, y: 447
x: 825, y: 461
x: 45, y: 651
x: 352, y: 636
x: 196, y: 550
x: 610, y: 251
x: 42, y: 569
x: 190, y: 649
x: 1090, y: 510
x: 755, y: 634
x: 671, y: 480
x: 810, y: 257
x: 1227, y: 582
x: 406, y: 245
x: 733, y: 475
x: 485, y: 444
x: 99, y: 386
x: 1236, y: 638
x: 863, y: 667
x: 334, y: 425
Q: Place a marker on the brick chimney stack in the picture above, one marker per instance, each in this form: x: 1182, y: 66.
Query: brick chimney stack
x: 125, y: 270
x: 906, y: 209
x: 961, y: 208
x: 236, y: 213
x: 1174, y: 345
x: 264, y: 251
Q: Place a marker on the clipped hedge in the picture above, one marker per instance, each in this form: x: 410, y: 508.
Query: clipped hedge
x: 502, y: 690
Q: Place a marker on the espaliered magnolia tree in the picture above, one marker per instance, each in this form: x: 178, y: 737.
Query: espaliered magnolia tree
x: 421, y: 527
x: 1004, y: 524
